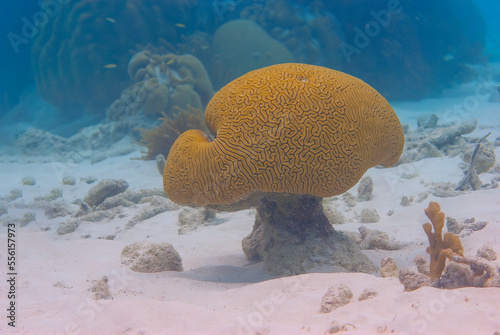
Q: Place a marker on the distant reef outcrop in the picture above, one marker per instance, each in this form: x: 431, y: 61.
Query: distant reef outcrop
x: 80, y: 56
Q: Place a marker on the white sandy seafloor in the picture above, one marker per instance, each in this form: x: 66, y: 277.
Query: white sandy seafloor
x: 219, y: 291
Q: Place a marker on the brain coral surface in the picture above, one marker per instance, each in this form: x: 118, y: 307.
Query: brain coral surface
x: 291, y: 128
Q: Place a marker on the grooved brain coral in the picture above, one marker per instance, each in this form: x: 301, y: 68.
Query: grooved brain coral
x: 287, y: 128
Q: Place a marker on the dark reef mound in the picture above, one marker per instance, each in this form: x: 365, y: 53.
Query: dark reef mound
x: 80, y: 57
x: 423, y: 46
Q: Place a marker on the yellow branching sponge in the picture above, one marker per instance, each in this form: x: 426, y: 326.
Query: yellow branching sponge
x: 159, y: 140
x: 440, y: 246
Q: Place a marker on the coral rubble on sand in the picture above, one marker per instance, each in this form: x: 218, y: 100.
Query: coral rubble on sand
x: 151, y: 257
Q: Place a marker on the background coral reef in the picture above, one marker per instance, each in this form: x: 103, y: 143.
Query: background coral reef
x: 80, y: 56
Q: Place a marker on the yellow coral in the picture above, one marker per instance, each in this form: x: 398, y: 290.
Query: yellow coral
x: 440, y: 247
x: 292, y: 128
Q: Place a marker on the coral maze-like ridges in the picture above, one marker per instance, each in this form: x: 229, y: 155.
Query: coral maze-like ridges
x: 291, y: 128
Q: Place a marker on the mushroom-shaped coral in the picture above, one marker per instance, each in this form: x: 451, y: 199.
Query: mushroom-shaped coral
x: 440, y: 247
x: 299, y: 130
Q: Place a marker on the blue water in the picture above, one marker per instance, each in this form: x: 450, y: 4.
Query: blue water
x: 414, y: 52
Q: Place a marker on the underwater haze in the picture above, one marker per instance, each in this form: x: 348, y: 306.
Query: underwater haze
x: 250, y: 166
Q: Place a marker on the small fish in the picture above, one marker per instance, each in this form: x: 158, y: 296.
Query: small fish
x: 110, y: 66
x: 204, y: 47
x: 180, y: 25
x: 170, y: 62
x: 110, y: 19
